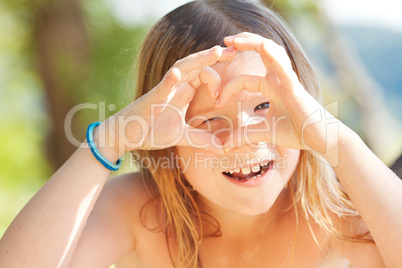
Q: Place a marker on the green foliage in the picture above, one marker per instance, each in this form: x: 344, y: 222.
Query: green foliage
x: 23, y: 115
x: 113, y: 52
x: 23, y: 166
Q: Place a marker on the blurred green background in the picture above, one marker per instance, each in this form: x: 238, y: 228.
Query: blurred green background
x: 57, y: 54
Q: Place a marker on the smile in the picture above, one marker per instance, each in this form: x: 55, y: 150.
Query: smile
x: 248, y: 173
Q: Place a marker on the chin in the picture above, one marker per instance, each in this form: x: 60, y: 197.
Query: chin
x: 247, y: 211
x: 250, y: 206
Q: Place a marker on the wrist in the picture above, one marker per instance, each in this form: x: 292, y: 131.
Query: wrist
x: 346, y: 138
x: 106, y: 139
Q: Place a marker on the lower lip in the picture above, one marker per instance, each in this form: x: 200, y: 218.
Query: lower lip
x: 253, y: 182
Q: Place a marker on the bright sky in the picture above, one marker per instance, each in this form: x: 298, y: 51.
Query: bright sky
x: 384, y: 13
x: 140, y: 11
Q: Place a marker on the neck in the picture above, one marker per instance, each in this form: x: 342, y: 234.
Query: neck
x: 233, y: 224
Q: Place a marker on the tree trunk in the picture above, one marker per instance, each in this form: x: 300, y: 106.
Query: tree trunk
x: 61, y: 48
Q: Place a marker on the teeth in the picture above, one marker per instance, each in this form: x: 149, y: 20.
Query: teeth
x: 265, y: 163
x: 246, y: 170
x: 255, y: 168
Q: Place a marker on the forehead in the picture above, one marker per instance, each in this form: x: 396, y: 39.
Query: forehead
x: 248, y: 62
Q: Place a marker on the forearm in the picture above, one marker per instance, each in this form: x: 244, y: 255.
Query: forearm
x: 46, y: 231
x: 375, y: 191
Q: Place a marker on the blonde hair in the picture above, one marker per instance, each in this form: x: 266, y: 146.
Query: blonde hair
x: 200, y: 25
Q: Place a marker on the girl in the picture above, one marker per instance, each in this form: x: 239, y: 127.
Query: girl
x: 225, y: 89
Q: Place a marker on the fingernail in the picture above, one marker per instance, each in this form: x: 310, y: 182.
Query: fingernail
x: 216, y: 94
x: 230, y: 49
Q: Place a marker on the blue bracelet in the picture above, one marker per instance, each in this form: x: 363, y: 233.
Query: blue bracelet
x: 90, y: 140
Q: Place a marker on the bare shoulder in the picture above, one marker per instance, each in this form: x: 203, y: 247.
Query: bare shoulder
x: 124, y: 197
x: 129, y: 191
x: 360, y: 254
x: 114, y: 223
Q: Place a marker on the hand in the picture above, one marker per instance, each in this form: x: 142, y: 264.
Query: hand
x: 157, y: 119
x: 292, y: 108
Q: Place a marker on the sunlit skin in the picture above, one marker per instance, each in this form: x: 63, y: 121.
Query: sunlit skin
x: 79, y: 220
x: 210, y: 183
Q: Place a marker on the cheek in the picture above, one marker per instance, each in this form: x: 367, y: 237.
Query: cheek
x: 288, y: 160
x: 196, y: 167
x: 186, y: 159
x: 193, y: 166
x: 220, y: 192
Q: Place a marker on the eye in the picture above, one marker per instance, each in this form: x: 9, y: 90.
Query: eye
x: 261, y: 106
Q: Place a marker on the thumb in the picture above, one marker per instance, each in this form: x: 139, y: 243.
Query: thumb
x: 255, y: 133
x: 201, y: 139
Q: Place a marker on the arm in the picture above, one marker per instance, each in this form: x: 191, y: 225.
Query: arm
x: 375, y: 191
x: 46, y: 232
x: 114, y: 224
x: 373, y: 188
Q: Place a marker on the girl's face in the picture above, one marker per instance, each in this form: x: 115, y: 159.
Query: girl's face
x: 248, y: 179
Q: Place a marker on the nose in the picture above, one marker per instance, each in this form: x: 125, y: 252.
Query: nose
x: 244, y: 116
x: 247, y: 118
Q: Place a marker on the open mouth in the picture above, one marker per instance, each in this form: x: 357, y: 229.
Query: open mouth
x: 249, y: 173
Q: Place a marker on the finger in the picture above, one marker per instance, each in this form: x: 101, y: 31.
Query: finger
x: 250, y: 82
x: 168, y: 83
x: 210, y: 78
x: 248, y: 41
x: 228, y: 53
x: 183, y: 94
x: 245, y: 41
x: 201, y: 139
x: 250, y: 134
x: 205, y: 58
x: 273, y: 55
x: 277, y: 128
x: 185, y: 91
x: 192, y: 63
